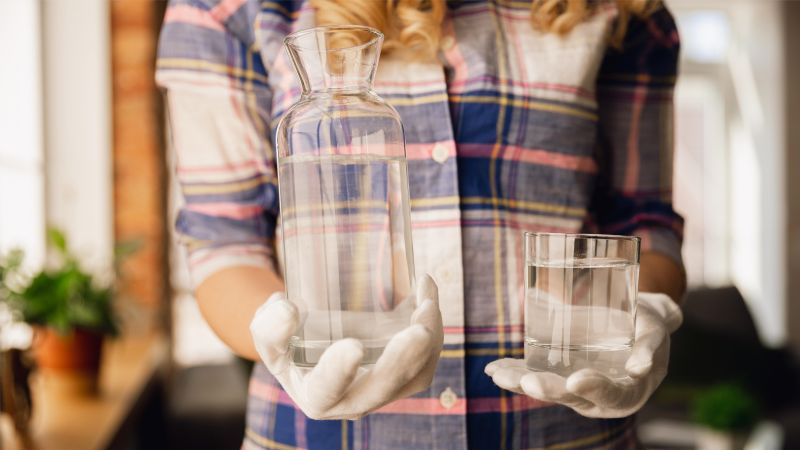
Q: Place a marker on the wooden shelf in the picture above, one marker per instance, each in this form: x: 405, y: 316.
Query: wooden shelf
x: 67, y: 421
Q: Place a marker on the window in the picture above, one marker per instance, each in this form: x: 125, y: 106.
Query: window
x: 730, y: 152
x: 55, y: 127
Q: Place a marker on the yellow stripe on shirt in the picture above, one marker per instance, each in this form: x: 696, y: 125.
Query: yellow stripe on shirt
x: 197, y: 64
x: 526, y: 104
x: 523, y: 204
x: 266, y: 442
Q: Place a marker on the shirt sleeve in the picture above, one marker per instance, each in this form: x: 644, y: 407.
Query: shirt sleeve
x: 218, y: 104
x: 636, y: 136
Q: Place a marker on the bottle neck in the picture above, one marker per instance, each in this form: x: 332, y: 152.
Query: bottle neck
x: 334, y: 87
x: 326, y: 64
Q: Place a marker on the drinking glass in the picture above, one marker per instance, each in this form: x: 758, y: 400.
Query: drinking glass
x: 344, y: 202
x: 580, y: 302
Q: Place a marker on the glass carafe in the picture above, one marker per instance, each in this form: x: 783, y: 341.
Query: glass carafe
x: 342, y: 177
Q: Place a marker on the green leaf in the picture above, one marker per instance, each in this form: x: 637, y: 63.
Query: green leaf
x: 10, y: 264
x: 64, y: 297
x: 726, y: 407
x: 57, y: 239
x: 13, y: 260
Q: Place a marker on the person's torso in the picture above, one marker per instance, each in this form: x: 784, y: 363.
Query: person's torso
x: 501, y: 139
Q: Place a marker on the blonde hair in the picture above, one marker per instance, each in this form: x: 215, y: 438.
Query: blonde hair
x: 416, y: 24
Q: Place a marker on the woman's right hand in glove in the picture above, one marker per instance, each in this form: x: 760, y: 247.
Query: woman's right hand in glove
x: 338, y: 387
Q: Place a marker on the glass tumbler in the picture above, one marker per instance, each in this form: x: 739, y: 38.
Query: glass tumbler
x: 580, y: 302
x: 344, y: 204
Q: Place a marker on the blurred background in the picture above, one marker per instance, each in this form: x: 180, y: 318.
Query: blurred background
x: 83, y: 150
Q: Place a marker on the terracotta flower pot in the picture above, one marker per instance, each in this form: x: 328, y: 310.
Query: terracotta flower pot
x: 71, y: 360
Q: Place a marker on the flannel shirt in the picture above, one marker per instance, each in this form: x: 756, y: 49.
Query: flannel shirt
x: 510, y: 130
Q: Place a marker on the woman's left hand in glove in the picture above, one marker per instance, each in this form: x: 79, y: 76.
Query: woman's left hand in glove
x: 589, y: 392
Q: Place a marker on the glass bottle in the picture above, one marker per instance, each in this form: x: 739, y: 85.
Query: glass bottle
x: 343, y: 183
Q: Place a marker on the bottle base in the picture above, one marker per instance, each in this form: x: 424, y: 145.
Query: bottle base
x: 565, y: 360
x: 306, y: 353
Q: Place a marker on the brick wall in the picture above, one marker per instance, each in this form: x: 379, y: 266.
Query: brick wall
x: 140, y: 182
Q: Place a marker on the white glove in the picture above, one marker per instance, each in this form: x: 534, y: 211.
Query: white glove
x: 338, y: 387
x: 591, y: 393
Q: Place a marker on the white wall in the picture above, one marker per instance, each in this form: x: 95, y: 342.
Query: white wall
x: 77, y: 94
x: 22, y: 212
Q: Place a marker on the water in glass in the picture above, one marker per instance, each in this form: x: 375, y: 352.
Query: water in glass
x: 580, y: 313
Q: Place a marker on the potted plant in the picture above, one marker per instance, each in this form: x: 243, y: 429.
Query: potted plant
x: 70, y: 310
x: 726, y: 412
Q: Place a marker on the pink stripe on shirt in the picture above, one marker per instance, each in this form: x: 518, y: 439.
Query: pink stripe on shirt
x: 227, y: 210
x: 222, y: 168
x: 226, y: 8
x: 425, y: 151
x: 534, y: 156
x: 413, y: 151
x: 475, y: 405
x: 423, y: 406
x: 404, y: 406
x: 414, y: 405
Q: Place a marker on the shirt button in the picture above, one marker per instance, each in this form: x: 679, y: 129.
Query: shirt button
x: 448, y: 398
x: 440, y: 153
x: 448, y: 42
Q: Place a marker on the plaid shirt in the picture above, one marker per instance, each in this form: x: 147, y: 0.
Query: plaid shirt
x: 510, y: 130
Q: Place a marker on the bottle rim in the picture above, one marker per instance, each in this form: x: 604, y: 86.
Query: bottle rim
x: 292, y: 39
x: 614, y: 237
